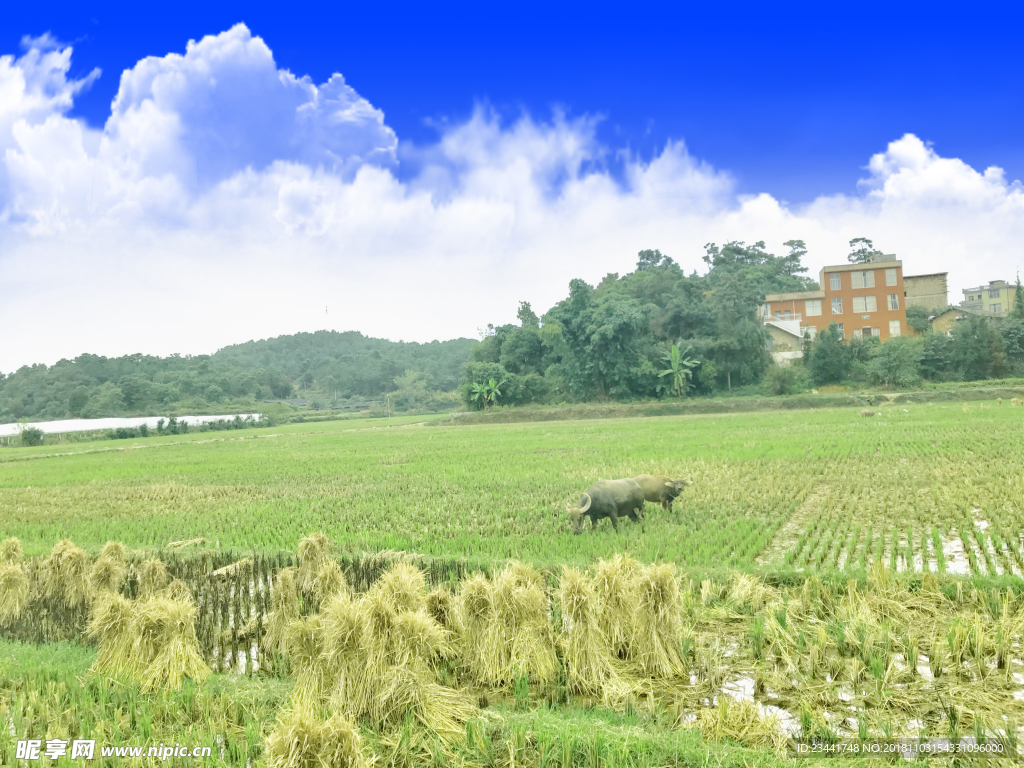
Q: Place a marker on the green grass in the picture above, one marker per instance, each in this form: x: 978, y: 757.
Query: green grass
x: 491, y: 492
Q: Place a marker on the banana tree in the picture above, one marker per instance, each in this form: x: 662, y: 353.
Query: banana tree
x: 680, y: 368
x: 478, y: 395
x: 493, y: 391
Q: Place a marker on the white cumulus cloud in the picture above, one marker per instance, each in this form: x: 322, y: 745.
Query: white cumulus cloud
x: 227, y: 199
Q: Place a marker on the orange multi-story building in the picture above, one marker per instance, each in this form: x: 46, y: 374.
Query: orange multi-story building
x: 862, y: 299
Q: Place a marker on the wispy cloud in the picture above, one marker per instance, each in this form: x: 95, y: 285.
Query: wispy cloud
x: 227, y: 199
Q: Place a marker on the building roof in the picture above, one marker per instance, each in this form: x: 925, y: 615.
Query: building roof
x: 792, y: 327
x: 859, y: 267
x: 794, y: 295
x: 933, y: 274
x: 993, y: 284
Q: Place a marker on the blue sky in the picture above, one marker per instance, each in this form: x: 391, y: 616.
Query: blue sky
x: 790, y: 98
x: 175, y: 179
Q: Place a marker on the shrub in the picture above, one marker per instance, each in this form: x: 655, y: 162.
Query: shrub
x: 896, y: 363
x: 830, y: 357
x: 786, y: 380
x: 31, y: 436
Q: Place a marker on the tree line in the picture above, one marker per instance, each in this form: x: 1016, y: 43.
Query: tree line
x: 657, y: 332
x: 327, y: 368
x: 654, y: 332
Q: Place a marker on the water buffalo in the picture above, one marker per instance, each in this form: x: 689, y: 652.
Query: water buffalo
x: 608, y: 498
x: 661, y: 490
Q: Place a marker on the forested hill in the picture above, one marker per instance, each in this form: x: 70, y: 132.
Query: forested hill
x: 328, y: 368
x: 352, y: 364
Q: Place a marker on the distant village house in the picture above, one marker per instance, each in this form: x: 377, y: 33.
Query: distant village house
x: 861, y: 299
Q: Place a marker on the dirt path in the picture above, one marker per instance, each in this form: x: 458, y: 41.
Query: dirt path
x: 797, y: 524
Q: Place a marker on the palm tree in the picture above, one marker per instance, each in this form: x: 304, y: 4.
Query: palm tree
x: 680, y: 369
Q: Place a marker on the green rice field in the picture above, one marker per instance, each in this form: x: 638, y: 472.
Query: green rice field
x: 830, y: 576
x: 922, y: 487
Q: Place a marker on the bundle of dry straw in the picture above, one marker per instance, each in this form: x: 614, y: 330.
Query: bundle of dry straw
x: 14, y: 584
x: 508, y: 630
x: 314, y: 551
x: 302, y: 741
x: 657, y: 627
x: 153, y: 578
x: 284, y: 602
x: 107, y: 575
x: 589, y: 662
x: 165, y: 649
x: 64, y: 575
x: 615, y: 585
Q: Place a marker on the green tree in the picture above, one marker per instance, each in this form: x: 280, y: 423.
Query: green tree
x: 760, y: 271
x: 680, y: 368
x: 527, y: 317
x: 977, y: 350
x: 1012, y: 333
x: 522, y: 350
x: 918, y: 318
x: 31, y: 436
x: 936, y: 362
x: 651, y: 259
x: 786, y: 380
x: 134, y: 389
x: 862, y: 251
x: 78, y: 400
x: 493, y: 391
x: 1018, y: 301
x: 897, y: 362
x: 478, y: 395
x: 830, y: 357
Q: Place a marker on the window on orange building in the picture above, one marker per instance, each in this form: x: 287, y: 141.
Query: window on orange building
x: 894, y: 301
x: 864, y: 304
x: 894, y: 328
x: 812, y: 307
x: 837, y: 306
x: 863, y: 279
x: 890, y: 276
x: 835, y: 281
